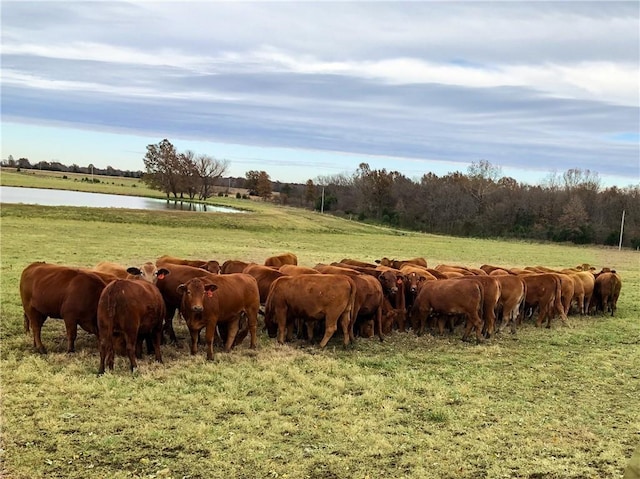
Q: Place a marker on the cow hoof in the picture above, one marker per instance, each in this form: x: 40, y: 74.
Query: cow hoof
x: 42, y: 350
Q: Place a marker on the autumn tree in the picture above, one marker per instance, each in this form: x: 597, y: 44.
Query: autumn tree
x: 263, y: 186
x: 251, y: 183
x: 309, y: 192
x: 162, y: 168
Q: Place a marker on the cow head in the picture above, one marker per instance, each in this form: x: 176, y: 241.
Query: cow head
x: 414, y: 281
x: 148, y: 272
x: 212, y: 266
x: 193, y: 294
x: 384, y: 261
x: 389, y: 281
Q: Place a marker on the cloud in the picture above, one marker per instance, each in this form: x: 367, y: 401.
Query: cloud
x: 544, y: 85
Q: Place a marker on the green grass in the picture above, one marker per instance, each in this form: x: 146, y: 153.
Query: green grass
x: 542, y: 404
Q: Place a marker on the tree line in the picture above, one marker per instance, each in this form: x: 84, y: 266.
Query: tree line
x: 568, y: 207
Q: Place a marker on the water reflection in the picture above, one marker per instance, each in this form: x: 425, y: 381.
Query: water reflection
x: 39, y: 196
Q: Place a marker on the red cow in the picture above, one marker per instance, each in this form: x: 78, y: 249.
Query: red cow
x: 294, y: 270
x: 545, y: 291
x: 264, y: 276
x: 513, y: 292
x: 128, y: 311
x: 233, y: 266
x: 312, y: 297
x: 369, y: 302
x: 399, y: 263
x: 212, y: 265
x: 225, y: 300
x: 491, y: 300
x: 277, y: 261
x: 606, y: 291
x: 54, y: 291
x: 450, y: 297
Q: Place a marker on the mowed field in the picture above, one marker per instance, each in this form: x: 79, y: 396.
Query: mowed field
x: 544, y: 403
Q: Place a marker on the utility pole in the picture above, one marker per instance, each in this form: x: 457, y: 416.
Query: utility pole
x: 322, y: 202
x: 621, y: 230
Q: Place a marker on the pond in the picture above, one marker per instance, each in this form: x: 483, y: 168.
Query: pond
x: 46, y: 197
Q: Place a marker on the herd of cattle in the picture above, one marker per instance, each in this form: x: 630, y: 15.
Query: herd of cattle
x: 126, y: 307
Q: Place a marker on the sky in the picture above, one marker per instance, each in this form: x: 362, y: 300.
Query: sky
x: 304, y: 90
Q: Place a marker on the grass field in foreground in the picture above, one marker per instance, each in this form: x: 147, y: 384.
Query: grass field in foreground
x: 541, y: 404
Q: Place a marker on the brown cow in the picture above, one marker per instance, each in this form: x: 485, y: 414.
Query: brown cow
x: 128, y: 311
x: 393, y: 287
x: 312, y: 297
x: 450, y: 297
x: 53, y: 291
x: 413, y: 278
x: 207, y: 303
x: 513, y: 292
x: 491, y: 300
x: 113, y: 269
x: 264, y: 276
x: 399, y: 263
x: 545, y: 291
x: 368, y: 305
x: 212, y: 265
x: 586, y: 281
x: 294, y: 270
x: 168, y: 286
x: 356, y: 262
x: 606, y: 291
x: 233, y: 266
x: 279, y: 260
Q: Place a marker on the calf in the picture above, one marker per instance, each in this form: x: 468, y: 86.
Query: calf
x: 236, y: 298
x: 128, y: 311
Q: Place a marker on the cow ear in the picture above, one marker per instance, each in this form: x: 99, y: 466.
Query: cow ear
x: 181, y: 289
x: 134, y: 271
x: 209, y: 289
x: 162, y: 272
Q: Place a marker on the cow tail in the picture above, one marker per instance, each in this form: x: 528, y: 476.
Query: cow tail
x: 27, y: 327
x: 559, y: 307
x: 523, y: 304
x: 481, y: 308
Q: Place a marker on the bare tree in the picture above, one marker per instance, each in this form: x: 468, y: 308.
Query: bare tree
x: 209, y: 169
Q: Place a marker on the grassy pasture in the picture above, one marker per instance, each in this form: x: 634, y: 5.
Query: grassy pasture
x: 544, y: 403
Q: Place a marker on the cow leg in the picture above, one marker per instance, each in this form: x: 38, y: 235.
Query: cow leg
x: 194, y: 340
x: 311, y: 326
x: 344, y: 322
x: 209, y: 336
x: 378, y: 323
x: 253, y: 328
x: 36, y: 320
x: 71, y: 325
x: 157, y: 340
x: 131, y: 341
x: 330, y: 326
x: 231, y: 335
x: 168, y: 325
x: 103, y: 354
x: 282, y: 327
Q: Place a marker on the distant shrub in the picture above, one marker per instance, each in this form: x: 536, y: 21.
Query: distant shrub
x: 238, y: 195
